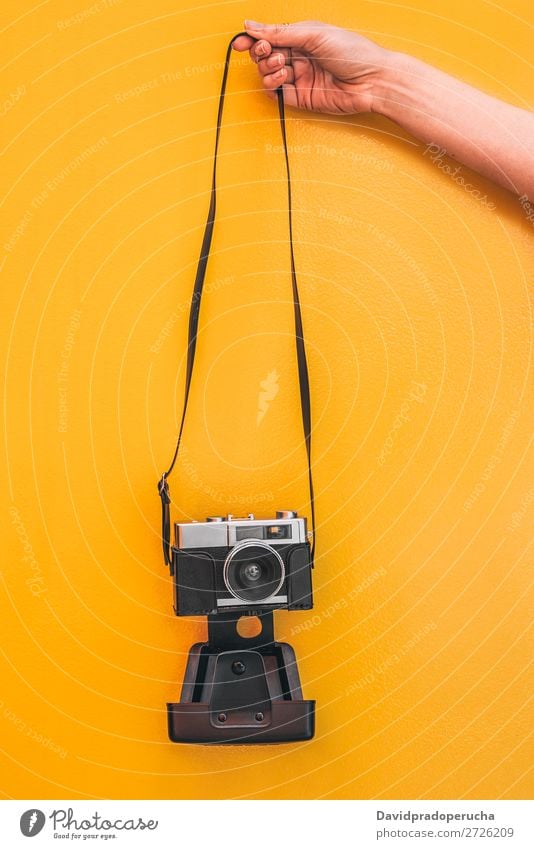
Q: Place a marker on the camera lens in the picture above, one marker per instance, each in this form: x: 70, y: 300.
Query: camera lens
x: 253, y: 571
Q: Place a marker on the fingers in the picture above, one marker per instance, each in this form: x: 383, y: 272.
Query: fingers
x: 276, y: 60
x: 302, y: 34
x: 279, y: 77
x: 275, y: 71
x: 243, y: 42
x: 258, y: 49
x: 271, y: 61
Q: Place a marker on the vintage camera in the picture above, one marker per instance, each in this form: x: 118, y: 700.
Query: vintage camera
x: 240, y: 689
x: 244, y: 565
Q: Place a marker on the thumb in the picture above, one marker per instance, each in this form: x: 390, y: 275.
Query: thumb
x: 285, y: 35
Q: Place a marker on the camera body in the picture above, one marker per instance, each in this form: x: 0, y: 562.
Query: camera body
x: 245, y: 566
x: 236, y: 688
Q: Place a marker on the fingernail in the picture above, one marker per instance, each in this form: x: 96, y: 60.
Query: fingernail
x: 280, y: 59
x: 280, y: 73
x: 253, y: 25
x: 261, y: 48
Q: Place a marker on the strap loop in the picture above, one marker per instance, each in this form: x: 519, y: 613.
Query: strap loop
x: 304, y: 385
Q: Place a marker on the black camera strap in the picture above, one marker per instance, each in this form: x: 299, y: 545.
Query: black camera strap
x: 304, y: 385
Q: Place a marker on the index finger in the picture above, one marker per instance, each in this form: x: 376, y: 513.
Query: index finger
x: 243, y: 42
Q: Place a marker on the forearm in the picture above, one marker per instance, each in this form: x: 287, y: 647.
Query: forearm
x: 492, y: 137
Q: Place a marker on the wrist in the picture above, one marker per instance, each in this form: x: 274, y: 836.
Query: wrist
x: 394, y: 85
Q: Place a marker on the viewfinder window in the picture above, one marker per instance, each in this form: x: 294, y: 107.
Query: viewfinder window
x: 249, y: 532
x: 278, y: 532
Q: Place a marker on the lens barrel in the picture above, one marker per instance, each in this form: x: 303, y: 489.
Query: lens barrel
x: 253, y: 571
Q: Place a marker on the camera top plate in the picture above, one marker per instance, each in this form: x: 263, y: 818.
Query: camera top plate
x: 286, y: 527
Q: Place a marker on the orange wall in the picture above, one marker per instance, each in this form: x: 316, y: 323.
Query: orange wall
x: 418, y: 326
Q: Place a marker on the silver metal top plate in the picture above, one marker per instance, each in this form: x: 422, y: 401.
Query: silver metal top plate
x: 227, y: 532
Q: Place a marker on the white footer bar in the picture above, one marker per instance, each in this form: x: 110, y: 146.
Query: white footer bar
x: 269, y: 824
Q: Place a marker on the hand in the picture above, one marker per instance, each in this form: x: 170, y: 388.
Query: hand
x: 321, y: 67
